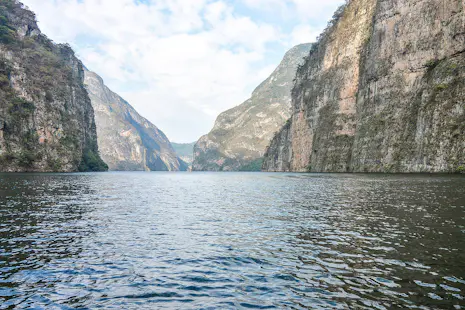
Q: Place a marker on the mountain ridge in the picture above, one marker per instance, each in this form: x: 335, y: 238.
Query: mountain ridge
x: 46, y: 120
x: 241, y: 134
x: 127, y: 140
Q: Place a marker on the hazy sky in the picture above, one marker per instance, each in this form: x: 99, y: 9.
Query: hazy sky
x: 182, y: 62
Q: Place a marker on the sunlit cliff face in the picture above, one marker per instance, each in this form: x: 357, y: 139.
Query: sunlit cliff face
x: 180, y: 60
x: 380, y: 95
x: 240, y: 136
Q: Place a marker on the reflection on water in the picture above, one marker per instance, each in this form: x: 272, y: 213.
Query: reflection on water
x: 232, y: 240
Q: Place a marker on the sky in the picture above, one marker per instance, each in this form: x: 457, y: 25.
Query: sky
x: 180, y: 63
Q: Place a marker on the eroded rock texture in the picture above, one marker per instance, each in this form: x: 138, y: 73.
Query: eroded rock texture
x: 240, y: 136
x: 46, y: 117
x: 127, y: 141
x: 382, y: 91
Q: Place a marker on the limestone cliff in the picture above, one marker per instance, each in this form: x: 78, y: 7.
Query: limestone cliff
x: 185, y: 151
x: 46, y: 117
x: 127, y: 141
x: 240, y: 136
x: 382, y: 91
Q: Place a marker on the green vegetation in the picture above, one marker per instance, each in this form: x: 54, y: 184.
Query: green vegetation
x: 329, y: 28
x: 461, y: 169
x: 6, y: 158
x: 5, y: 71
x: 431, y: 64
x: 26, y: 158
x: 440, y: 87
x: 309, y: 168
x: 30, y: 139
x: 7, y: 35
x: 4, y: 80
x: 69, y: 141
x: 255, y: 165
x: 55, y: 164
x: 16, y: 127
x: 20, y: 107
x: 29, y: 154
x: 7, y: 30
x: 91, y: 162
x: 47, y: 83
x: 388, y: 168
x: 44, y: 62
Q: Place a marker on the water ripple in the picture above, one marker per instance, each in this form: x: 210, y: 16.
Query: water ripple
x: 231, y: 241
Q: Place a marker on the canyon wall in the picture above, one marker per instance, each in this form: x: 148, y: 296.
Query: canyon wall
x: 128, y: 141
x: 382, y: 91
x: 46, y: 117
x: 240, y: 136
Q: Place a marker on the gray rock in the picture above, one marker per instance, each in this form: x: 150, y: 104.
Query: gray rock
x: 185, y: 151
x: 382, y: 91
x: 127, y: 141
x: 46, y: 117
x: 240, y: 135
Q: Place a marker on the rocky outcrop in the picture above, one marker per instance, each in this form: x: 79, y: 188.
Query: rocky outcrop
x: 185, y: 151
x: 46, y: 117
x: 240, y: 136
x: 382, y: 91
x: 127, y: 141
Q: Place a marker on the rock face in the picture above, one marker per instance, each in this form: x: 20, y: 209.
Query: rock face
x: 185, y: 151
x: 382, y: 91
x: 46, y: 117
x: 127, y: 141
x: 240, y: 136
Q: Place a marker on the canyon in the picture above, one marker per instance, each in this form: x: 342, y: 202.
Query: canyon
x: 240, y: 136
x: 126, y: 140
x: 46, y: 117
x: 382, y: 91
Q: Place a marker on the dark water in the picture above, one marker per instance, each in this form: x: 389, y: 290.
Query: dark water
x: 232, y: 241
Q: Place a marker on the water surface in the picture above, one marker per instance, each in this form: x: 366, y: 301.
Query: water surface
x: 231, y: 241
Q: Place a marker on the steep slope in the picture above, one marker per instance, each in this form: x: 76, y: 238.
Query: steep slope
x: 127, y: 141
x: 240, y: 135
x: 382, y: 91
x: 185, y: 151
x: 46, y: 118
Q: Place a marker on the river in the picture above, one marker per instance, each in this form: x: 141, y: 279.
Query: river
x: 231, y: 241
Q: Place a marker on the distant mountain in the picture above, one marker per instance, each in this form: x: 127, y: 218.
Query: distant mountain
x: 185, y: 151
x: 46, y: 117
x: 240, y: 136
x: 127, y: 141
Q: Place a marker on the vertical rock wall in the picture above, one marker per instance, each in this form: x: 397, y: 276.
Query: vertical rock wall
x: 127, y: 141
x: 46, y: 117
x: 382, y: 92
